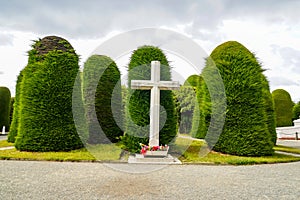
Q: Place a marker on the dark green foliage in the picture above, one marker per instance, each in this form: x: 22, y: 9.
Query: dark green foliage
x: 4, y: 108
x: 46, y: 118
x: 11, y: 111
x: 102, y: 94
x: 202, y: 111
x: 245, y: 131
x: 16, y: 113
x: 283, y: 108
x: 296, y: 111
x: 270, y: 110
x: 192, y: 81
x: 138, y: 101
x: 186, y: 102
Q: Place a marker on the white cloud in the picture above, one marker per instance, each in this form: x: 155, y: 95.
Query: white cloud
x: 270, y: 29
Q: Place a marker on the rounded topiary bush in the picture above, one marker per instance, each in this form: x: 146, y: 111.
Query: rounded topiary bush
x: 103, y: 101
x: 4, y: 108
x: 46, y: 118
x: 283, y: 107
x: 138, y: 101
x: 16, y: 112
x: 296, y: 111
x: 245, y: 131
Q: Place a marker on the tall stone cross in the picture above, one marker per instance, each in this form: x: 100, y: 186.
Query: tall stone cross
x: 155, y: 85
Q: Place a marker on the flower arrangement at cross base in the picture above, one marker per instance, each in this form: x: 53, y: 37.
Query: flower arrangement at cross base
x: 145, y: 148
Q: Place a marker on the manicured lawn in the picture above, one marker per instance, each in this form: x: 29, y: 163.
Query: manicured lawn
x: 105, y: 152
x: 287, y: 149
x: 4, y: 143
x: 191, y: 155
x: 187, y: 150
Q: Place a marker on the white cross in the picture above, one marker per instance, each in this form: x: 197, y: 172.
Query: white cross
x: 155, y: 85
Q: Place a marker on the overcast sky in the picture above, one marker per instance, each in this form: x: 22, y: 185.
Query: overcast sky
x: 269, y: 28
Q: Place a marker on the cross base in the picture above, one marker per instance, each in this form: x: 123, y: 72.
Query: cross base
x: 141, y: 159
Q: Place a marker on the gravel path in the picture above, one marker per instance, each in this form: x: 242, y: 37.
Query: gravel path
x: 55, y: 180
x: 3, y: 137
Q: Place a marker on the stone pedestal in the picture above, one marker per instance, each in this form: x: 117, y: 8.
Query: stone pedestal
x: 156, y: 160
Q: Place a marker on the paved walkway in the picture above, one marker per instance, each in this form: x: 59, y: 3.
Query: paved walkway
x: 56, y: 180
x: 289, y: 143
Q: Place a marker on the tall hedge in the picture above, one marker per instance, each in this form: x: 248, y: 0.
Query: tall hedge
x: 16, y: 113
x: 270, y: 109
x: 283, y: 107
x: 192, y: 81
x: 4, y: 108
x: 11, y: 110
x: 102, y: 93
x: 245, y: 131
x: 201, y: 115
x: 46, y: 118
x: 138, y: 101
x: 186, y: 102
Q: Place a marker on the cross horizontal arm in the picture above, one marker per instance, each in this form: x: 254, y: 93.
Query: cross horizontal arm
x: 168, y: 85
x: 141, y: 84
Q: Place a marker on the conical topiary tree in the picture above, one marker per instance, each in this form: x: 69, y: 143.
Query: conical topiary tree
x: 103, y: 101
x: 16, y: 113
x: 283, y: 107
x: 46, y: 118
x: 245, y: 131
x: 138, y: 101
x: 4, y: 108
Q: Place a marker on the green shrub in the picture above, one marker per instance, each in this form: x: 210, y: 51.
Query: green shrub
x: 11, y: 111
x: 45, y: 117
x: 245, y: 131
x: 16, y: 113
x: 296, y: 111
x: 138, y: 101
x: 4, y: 108
x: 192, y: 81
x: 270, y: 110
x: 102, y: 94
x: 186, y: 103
x: 283, y: 108
x: 202, y: 111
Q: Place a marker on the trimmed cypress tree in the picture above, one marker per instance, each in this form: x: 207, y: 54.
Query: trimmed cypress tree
x: 283, y: 107
x: 102, y: 94
x: 202, y: 111
x: 270, y: 110
x: 192, y: 80
x: 4, y: 108
x: 16, y: 113
x: 138, y: 101
x: 186, y: 99
x: 11, y: 110
x: 245, y: 131
x: 46, y: 118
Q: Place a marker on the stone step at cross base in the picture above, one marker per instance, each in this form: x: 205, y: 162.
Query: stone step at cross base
x: 141, y: 159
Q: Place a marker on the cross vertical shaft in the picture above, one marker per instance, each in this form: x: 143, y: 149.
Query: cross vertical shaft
x: 154, y: 104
